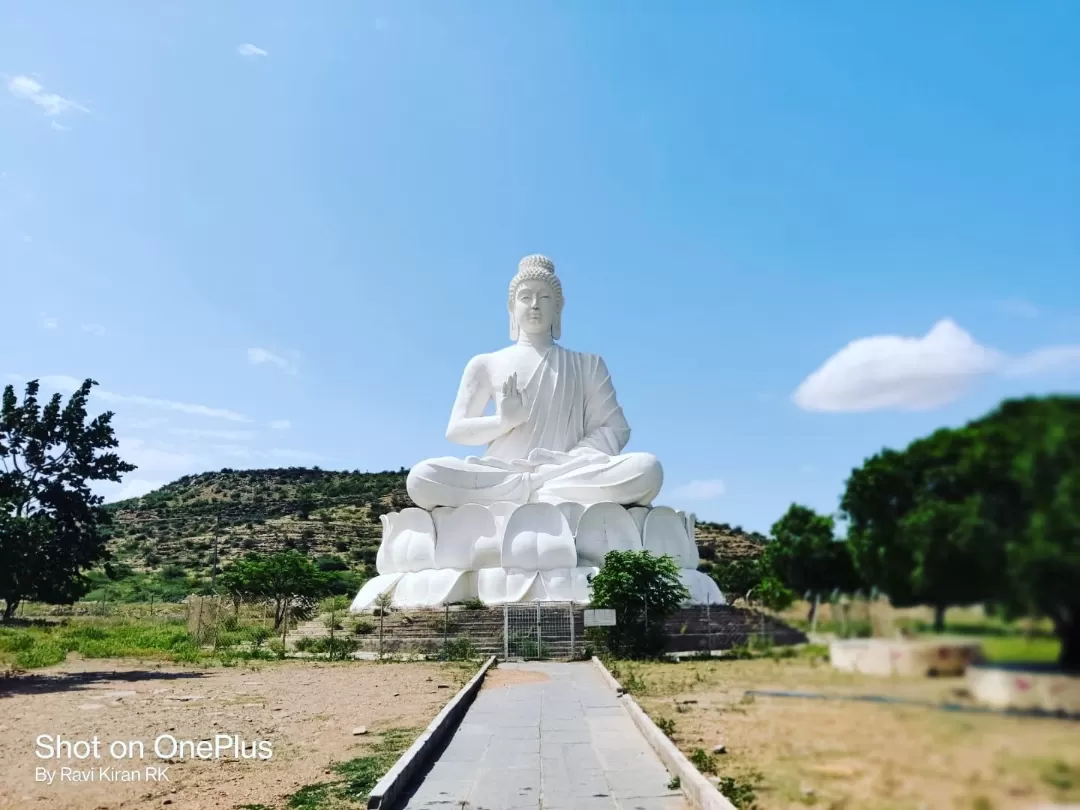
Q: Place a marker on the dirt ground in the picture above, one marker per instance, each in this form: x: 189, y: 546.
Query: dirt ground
x: 306, y: 711
x: 835, y: 754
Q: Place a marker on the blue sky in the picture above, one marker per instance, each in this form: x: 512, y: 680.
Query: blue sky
x: 285, y: 253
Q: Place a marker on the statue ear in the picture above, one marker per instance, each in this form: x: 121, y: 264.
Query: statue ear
x: 556, y: 326
x: 513, y: 328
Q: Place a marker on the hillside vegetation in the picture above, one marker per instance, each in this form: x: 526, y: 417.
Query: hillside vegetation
x: 331, y: 515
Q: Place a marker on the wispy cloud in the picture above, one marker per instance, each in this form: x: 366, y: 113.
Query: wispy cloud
x: 224, y: 435
x: 281, y: 424
x: 708, y: 489
x: 247, y: 49
x: 259, y: 357
x: 93, y: 328
x: 302, y: 456
x: 49, y: 322
x: 68, y: 384
x: 1019, y: 308
x: 918, y: 373
x: 30, y: 89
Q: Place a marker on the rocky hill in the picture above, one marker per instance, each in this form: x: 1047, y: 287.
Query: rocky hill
x: 321, y: 512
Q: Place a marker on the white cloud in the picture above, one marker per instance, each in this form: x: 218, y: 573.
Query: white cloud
x: 1048, y: 360
x: 58, y: 126
x: 702, y: 490
x: 889, y: 371
x: 49, y: 322
x: 281, y: 424
x: 31, y: 90
x: 247, y: 49
x: 154, y: 456
x: 68, y: 384
x: 1019, y: 308
x: 224, y: 435
x: 129, y: 488
x: 905, y: 373
x: 258, y: 357
x: 93, y: 328
x: 302, y: 456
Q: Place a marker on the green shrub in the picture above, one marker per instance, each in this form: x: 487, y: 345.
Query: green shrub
x: 704, y: 762
x: 363, y: 627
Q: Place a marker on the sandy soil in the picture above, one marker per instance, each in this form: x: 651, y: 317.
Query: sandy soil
x: 306, y: 711
x: 501, y: 678
x: 833, y: 754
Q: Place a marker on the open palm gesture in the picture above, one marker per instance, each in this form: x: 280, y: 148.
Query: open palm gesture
x: 513, y: 409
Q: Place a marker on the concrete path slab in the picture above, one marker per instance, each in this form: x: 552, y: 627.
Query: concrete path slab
x: 564, y: 743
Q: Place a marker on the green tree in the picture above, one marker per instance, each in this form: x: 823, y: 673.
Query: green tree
x: 919, y: 528
x: 52, y: 526
x: 806, y: 558
x: 1027, y: 454
x: 737, y: 578
x: 644, y: 590
x: 334, y: 607
x: 288, y: 579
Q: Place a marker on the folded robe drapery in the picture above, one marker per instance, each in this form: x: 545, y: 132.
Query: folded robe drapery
x: 568, y: 449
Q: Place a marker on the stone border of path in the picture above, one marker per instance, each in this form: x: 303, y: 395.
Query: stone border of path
x: 401, y: 774
x: 701, y: 793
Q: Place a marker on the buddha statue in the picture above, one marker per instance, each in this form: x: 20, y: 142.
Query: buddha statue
x: 557, y: 433
x: 533, y: 518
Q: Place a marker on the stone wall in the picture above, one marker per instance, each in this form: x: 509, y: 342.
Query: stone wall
x: 430, y: 631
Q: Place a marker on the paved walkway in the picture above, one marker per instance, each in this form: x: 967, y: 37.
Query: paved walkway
x: 558, y: 744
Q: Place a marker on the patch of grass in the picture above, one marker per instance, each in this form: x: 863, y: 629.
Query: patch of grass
x: 740, y: 792
x: 41, y: 645
x: 1062, y: 776
x: 357, y: 776
x: 703, y: 761
x: 674, y: 784
x: 666, y: 725
x: 1020, y: 650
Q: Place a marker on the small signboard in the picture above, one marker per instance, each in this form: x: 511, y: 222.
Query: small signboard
x: 600, y: 617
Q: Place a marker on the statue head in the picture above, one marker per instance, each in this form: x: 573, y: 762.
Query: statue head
x: 536, y: 299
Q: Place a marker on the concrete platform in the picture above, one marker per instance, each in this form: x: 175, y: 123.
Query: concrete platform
x: 564, y: 743
x: 911, y: 657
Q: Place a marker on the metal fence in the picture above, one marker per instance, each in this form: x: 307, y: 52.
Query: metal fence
x: 539, y: 630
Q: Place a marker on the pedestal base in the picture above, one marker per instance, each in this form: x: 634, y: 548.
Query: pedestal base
x: 522, y: 553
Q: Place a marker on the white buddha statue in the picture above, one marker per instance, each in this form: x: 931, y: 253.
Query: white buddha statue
x: 557, y: 433
x: 535, y: 516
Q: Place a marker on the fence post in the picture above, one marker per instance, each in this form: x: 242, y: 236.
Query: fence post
x: 573, y: 650
x: 708, y: 623
x: 446, y: 632
x: 539, y: 635
x: 506, y: 631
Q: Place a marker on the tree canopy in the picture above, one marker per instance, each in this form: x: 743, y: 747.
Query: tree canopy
x: 52, y: 526
x: 989, y: 512
x: 644, y: 590
x: 805, y: 556
x: 289, y: 579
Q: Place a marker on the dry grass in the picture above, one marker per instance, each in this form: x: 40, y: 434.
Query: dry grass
x: 842, y: 754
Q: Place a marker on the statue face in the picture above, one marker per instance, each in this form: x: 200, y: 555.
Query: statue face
x: 534, y: 307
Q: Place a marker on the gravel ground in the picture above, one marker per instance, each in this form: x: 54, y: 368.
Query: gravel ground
x: 305, y: 712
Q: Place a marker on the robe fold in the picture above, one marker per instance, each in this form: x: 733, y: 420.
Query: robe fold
x: 568, y: 449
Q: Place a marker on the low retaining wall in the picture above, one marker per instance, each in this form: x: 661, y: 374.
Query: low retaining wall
x: 695, y: 629
x: 413, y: 761
x: 911, y: 657
x: 701, y: 793
x: 1026, y: 689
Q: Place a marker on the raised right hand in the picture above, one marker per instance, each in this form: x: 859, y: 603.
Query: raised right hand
x: 513, y: 410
